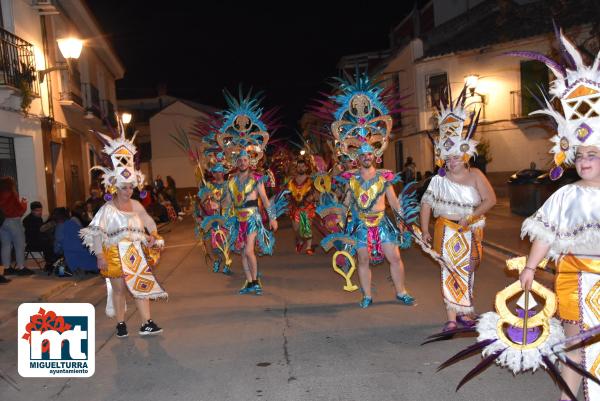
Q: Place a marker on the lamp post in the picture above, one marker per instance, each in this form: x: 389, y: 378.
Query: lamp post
x: 70, y: 48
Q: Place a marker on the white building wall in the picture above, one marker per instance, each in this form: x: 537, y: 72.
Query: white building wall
x: 515, y: 143
x: 167, y: 157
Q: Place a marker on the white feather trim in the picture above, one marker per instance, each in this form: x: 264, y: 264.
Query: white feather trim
x: 514, y: 359
x: 461, y: 310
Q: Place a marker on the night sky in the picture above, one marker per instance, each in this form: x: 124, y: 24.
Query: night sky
x: 197, y: 48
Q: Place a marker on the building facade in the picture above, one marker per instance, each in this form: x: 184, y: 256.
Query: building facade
x: 49, y: 104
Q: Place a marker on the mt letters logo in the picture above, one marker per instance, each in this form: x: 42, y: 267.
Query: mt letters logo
x: 56, y: 340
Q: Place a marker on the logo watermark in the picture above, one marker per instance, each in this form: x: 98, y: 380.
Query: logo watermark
x: 56, y: 340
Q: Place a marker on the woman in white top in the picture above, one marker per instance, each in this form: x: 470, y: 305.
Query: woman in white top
x: 567, y: 227
x: 124, y: 238
x: 459, y: 197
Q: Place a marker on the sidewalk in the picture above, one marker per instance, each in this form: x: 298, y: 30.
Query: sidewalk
x: 36, y: 288
x: 41, y: 288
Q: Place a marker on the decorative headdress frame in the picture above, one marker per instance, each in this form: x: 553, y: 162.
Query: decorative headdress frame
x: 244, y: 131
x: 452, y: 139
x: 121, y: 161
x: 362, y: 121
x: 577, y: 86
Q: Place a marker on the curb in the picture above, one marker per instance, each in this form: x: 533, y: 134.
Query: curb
x: 500, y: 248
x: 42, y: 298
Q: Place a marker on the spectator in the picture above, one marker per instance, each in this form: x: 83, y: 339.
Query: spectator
x: 149, y: 199
x: 76, y: 254
x: 96, y: 200
x: 171, y: 192
x: 170, y: 210
x: 409, y: 171
x: 11, y: 231
x: 35, y: 239
x: 158, y: 184
x: 59, y: 216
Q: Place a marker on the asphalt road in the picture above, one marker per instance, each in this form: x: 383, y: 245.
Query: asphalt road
x: 304, y: 339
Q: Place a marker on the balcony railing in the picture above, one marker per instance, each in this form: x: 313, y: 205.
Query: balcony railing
x: 71, y: 85
x: 17, y: 63
x: 92, y: 96
x: 108, y: 113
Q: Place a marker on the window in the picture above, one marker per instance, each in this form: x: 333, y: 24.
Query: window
x: 8, y: 161
x: 436, y: 85
x: 534, y: 76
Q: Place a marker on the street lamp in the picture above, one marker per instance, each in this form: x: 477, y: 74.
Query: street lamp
x: 471, y: 82
x: 126, y: 118
x: 70, y: 48
x: 302, y: 152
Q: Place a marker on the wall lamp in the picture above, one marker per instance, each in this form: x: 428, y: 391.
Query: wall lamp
x: 70, y: 48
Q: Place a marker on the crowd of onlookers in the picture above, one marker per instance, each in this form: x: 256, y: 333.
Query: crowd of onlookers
x: 56, y: 238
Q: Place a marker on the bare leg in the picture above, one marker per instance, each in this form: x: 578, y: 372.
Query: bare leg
x: 209, y: 251
x: 251, y: 257
x: 392, y: 254
x: 143, y: 305
x: 296, y: 227
x: 572, y: 378
x: 364, y: 271
x: 246, y: 266
x: 118, y: 286
x: 451, y: 313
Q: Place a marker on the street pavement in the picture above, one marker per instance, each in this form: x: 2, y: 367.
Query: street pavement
x: 304, y: 339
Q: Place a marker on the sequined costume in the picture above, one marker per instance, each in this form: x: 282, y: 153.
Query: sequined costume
x: 121, y: 236
x: 302, y: 208
x: 371, y: 229
x: 569, y: 221
x: 460, y: 247
x: 246, y: 217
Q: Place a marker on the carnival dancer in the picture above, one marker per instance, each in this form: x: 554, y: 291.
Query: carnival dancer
x: 302, y: 204
x: 362, y: 128
x: 567, y: 226
x: 212, y: 197
x: 124, y: 237
x: 459, y: 196
x: 243, y: 137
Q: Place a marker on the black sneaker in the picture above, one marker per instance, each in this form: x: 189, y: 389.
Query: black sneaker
x: 122, y: 330
x: 149, y: 329
x: 11, y: 271
x: 4, y: 280
x: 24, y: 272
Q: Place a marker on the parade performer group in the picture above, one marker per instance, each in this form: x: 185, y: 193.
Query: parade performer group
x: 565, y: 229
x: 124, y: 237
x: 459, y: 196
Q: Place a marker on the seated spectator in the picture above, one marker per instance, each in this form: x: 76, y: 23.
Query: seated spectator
x: 96, y: 200
x: 76, y: 254
x: 35, y: 239
x: 59, y: 216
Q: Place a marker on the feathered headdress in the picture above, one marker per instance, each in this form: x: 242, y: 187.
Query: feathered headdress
x: 244, y: 128
x: 451, y: 141
x: 121, y: 166
x: 577, y: 86
x: 359, y: 114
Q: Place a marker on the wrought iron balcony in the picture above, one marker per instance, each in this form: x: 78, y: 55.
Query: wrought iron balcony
x: 71, y: 94
x: 108, y: 113
x: 17, y: 63
x: 92, y: 103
